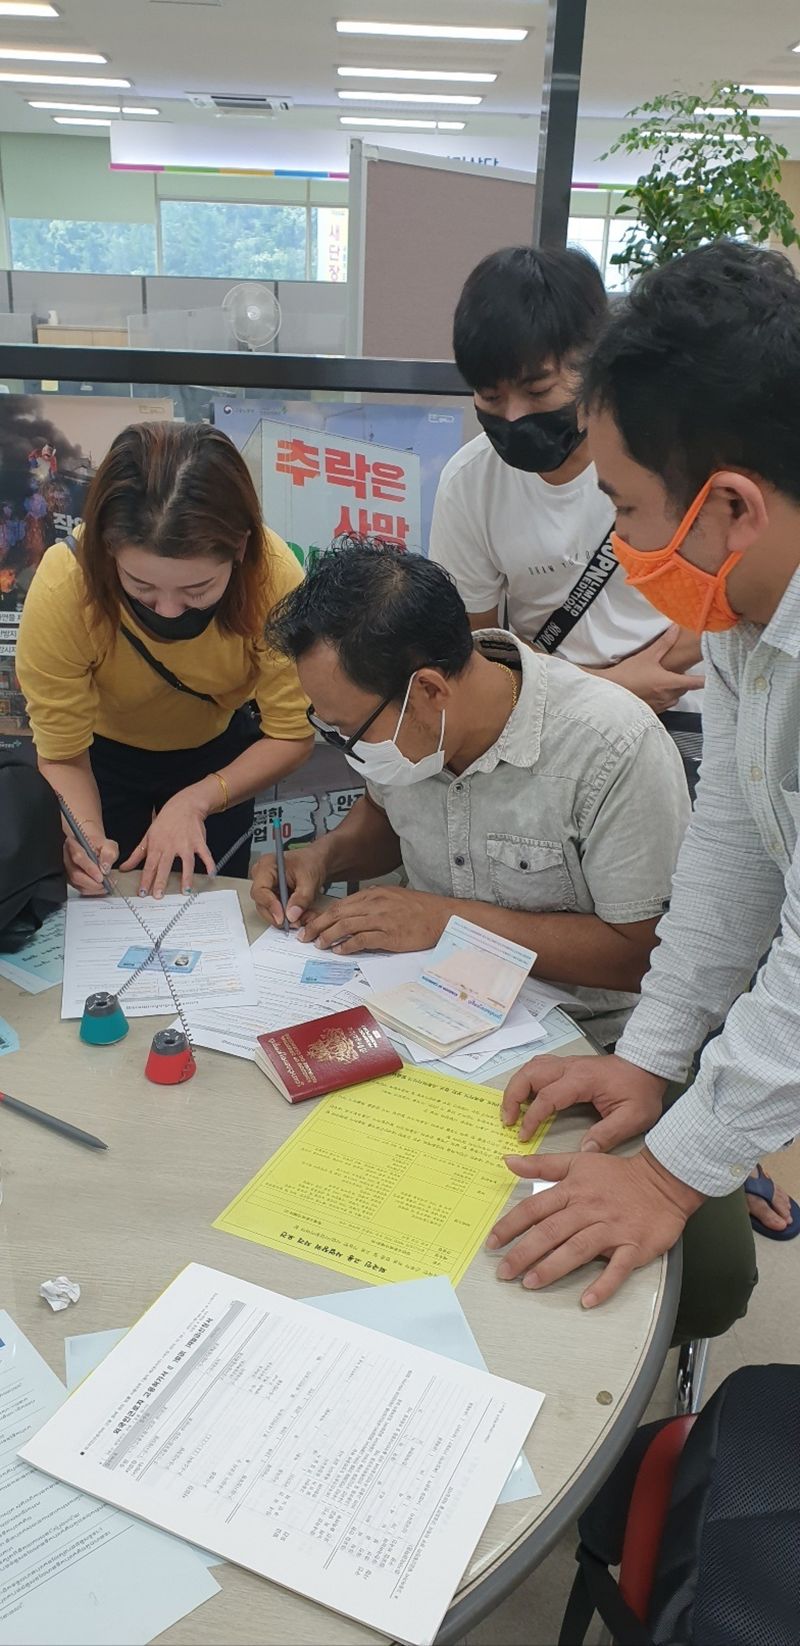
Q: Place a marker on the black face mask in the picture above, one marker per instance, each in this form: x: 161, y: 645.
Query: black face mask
x: 538, y: 443
x: 194, y: 621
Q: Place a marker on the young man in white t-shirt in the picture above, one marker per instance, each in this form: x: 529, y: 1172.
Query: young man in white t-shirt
x: 518, y: 516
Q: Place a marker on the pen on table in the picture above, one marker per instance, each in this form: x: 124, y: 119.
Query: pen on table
x: 74, y: 825
x: 52, y: 1122
x: 283, y: 890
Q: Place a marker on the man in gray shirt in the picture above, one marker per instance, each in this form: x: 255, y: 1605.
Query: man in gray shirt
x: 513, y: 789
x: 694, y: 402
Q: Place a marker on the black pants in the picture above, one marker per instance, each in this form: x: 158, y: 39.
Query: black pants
x: 134, y: 783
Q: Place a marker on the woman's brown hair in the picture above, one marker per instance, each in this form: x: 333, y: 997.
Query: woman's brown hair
x: 178, y: 490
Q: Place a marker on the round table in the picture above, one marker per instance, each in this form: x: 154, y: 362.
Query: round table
x: 123, y: 1224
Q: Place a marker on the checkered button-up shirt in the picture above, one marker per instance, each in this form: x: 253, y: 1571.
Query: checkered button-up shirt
x: 737, y: 883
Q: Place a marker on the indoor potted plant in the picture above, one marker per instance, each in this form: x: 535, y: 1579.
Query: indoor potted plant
x: 712, y: 174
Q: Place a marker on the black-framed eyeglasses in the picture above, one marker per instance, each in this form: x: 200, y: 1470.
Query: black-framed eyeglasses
x: 337, y: 739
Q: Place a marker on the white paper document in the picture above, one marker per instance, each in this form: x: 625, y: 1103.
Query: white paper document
x: 207, y: 954
x: 74, y: 1572
x: 279, y: 961
x: 539, y: 997
x: 345, y: 1465
x: 424, y: 1312
x: 387, y: 971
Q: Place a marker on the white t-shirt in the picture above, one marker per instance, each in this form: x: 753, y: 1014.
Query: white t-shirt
x: 501, y: 532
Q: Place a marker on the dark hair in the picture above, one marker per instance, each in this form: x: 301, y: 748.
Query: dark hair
x: 178, y: 490
x: 700, y: 369
x: 523, y: 306
x: 386, y: 612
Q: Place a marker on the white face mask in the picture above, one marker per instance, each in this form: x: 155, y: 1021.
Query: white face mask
x: 384, y: 763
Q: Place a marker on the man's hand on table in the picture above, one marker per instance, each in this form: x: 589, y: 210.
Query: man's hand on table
x: 628, y: 1211
x: 627, y: 1098
x: 392, y: 918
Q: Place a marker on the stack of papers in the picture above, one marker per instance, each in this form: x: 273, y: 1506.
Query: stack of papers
x: 296, y: 983
x: 366, y: 1490
x: 282, y: 997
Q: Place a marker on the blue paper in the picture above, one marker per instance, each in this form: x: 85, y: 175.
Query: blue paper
x: 169, y: 960
x: 333, y: 972
x: 40, y: 964
x: 9, y: 1039
x: 76, y: 1572
x: 81, y: 1355
x: 426, y: 1313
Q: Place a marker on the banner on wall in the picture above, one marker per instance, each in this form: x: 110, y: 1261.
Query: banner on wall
x: 50, y: 446
x: 317, y: 487
x: 430, y: 434
x: 331, y: 243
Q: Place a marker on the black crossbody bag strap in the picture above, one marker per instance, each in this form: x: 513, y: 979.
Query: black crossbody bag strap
x: 161, y: 668
x: 592, y: 580
x: 139, y: 646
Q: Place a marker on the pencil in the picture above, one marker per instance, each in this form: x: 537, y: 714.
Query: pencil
x: 52, y: 1122
x: 283, y: 890
x: 87, y: 846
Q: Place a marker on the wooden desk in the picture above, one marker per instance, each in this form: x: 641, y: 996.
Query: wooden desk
x: 124, y: 1223
x: 86, y: 337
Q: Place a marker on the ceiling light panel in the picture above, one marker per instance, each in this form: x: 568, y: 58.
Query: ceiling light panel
x: 77, y: 120
x: 88, y: 108
x: 461, y: 102
x: 102, y: 83
x: 26, y: 9
x: 407, y: 125
x: 27, y: 54
x: 760, y: 114
x: 431, y: 31
x: 449, y: 75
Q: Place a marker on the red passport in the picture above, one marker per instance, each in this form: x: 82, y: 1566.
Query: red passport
x: 326, y: 1055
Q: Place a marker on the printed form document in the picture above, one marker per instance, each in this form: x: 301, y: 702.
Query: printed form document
x: 207, y: 954
x: 350, y: 1467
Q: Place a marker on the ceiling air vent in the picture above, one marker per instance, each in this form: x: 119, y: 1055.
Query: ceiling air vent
x: 244, y: 104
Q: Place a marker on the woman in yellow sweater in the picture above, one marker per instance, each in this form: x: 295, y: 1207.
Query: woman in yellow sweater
x: 139, y: 645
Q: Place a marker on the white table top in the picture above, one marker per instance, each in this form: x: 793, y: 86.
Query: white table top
x: 124, y: 1223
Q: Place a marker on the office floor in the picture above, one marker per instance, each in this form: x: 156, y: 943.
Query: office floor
x: 770, y: 1331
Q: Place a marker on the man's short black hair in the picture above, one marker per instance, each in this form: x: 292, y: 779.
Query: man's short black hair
x: 700, y: 369
x: 387, y: 613
x: 522, y: 307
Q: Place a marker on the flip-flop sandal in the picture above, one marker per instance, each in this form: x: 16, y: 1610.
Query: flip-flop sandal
x: 764, y: 1188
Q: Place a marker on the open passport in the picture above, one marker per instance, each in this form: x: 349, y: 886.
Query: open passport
x: 467, y: 989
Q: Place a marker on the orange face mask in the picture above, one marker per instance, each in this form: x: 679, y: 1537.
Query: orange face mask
x: 684, y: 593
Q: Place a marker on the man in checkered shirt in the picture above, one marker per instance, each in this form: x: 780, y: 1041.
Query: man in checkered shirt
x: 693, y: 398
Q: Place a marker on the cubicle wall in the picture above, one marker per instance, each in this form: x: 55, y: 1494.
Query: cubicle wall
x: 418, y: 225
x: 313, y: 311
x: 334, y: 446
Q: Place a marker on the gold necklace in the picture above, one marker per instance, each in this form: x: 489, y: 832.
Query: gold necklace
x: 514, y: 684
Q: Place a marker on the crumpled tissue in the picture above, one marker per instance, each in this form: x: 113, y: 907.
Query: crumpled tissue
x: 59, y: 1293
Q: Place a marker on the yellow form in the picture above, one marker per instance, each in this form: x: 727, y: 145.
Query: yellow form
x: 398, y: 1179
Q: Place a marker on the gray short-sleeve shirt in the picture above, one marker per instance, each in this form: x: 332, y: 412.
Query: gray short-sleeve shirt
x: 579, y: 806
